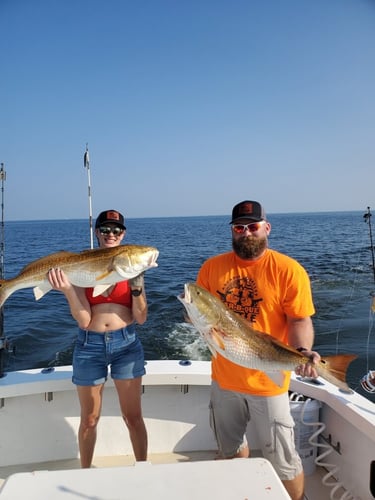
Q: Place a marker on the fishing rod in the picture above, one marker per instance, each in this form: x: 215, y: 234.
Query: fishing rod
x: 3, y: 341
x: 368, y: 381
x: 367, y: 216
x: 86, y: 164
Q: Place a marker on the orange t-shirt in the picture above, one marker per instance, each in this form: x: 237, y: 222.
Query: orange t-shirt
x: 264, y: 292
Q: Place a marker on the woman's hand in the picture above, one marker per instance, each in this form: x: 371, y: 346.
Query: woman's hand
x: 59, y: 280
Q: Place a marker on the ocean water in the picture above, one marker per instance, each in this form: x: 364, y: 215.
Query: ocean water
x: 334, y: 248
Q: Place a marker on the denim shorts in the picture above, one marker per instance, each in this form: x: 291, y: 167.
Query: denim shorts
x: 230, y: 413
x: 94, y: 352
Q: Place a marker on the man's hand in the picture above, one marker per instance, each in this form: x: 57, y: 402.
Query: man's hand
x: 308, y: 370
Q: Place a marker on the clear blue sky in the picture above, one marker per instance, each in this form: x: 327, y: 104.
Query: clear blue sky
x: 187, y: 106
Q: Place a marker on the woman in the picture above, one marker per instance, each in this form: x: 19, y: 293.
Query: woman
x: 106, y: 337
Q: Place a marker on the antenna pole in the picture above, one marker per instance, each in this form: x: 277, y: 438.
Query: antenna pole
x: 86, y: 164
x: 2, y: 238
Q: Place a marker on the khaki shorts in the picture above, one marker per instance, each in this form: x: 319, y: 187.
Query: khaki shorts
x: 230, y: 413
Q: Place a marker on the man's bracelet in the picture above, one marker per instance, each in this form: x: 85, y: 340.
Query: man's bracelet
x: 301, y: 349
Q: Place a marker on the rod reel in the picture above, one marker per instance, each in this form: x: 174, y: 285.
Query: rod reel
x: 368, y: 382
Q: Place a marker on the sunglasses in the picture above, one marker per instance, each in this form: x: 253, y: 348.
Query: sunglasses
x: 252, y: 227
x: 116, y: 231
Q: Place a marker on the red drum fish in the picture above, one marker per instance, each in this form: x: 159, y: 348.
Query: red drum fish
x: 99, y: 268
x: 228, y: 334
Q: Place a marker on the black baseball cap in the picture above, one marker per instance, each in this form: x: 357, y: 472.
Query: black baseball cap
x: 112, y: 216
x: 248, y: 210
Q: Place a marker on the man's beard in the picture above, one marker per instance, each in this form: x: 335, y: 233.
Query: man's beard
x: 249, y: 247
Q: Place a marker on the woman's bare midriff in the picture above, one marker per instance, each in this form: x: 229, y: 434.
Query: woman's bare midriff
x: 109, y: 317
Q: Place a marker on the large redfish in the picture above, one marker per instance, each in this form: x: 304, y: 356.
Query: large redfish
x: 227, y: 333
x: 99, y: 268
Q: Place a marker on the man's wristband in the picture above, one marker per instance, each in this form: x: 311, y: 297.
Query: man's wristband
x: 136, y: 293
x: 301, y: 349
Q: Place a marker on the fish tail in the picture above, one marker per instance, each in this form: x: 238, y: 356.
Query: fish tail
x: 3, y: 292
x: 334, y: 368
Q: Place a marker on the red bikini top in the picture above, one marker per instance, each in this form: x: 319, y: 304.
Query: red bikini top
x: 121, y: 294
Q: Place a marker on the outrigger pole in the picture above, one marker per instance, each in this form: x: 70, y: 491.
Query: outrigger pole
x: 86, y: 164
x: 3, y: 341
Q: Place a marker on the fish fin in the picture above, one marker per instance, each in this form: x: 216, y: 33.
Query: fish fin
x: 278, y: 343
x: 216, y: 336
x: 334, y: 368
x: 99, y: 289
x: 209, y: 343
x: 277, y: 377
x: 212, y: 350
x: 104, y: 275
x: 41, y: 290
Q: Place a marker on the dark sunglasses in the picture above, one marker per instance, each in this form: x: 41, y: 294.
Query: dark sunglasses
x: 252, y: 227
x: 116, y: 231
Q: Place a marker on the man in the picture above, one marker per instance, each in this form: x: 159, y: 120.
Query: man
x: 272, y: 291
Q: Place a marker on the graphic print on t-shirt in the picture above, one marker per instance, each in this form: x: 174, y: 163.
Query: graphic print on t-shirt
x: 241, y: 296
